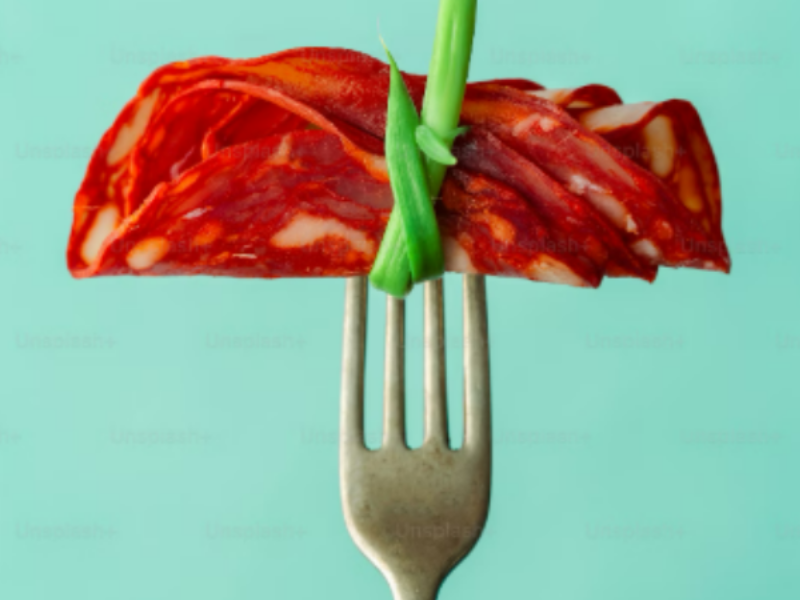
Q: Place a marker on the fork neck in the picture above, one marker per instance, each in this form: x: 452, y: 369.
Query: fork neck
x: 415, y: 588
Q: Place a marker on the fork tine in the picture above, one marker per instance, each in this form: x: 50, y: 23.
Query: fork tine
x: 394, y: 431
x: 394, y: 498
x: 355, y: 334
x: 477, y: 391
x: 435, y: 374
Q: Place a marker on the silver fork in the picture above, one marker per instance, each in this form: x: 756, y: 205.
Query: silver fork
x: 416, y: 513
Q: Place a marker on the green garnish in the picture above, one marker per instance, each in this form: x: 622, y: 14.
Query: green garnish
x: 441, y: 110
x: 434, y: 147
x: 407, y: 174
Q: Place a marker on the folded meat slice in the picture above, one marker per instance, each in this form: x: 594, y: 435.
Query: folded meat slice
x: 577, y: 227
x: 273, y: 167
x: 655, y: 224
x: 666, y: 138
x: 669, y: 139
x: 296, y: 204
x: 299, y: 204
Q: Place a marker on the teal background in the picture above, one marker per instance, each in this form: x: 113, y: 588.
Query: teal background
x: 646, y: 436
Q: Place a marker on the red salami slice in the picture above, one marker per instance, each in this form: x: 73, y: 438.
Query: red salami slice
x: 273, y: 167
x: 669, y: 139
x: 655, y: 224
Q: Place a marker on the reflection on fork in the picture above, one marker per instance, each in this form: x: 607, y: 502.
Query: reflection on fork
x: 416, y: 513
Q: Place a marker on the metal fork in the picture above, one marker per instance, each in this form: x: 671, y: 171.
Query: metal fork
x: 416, y: 513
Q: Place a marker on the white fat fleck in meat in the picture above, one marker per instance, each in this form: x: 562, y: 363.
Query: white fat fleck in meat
x: 613, y: 210
x: 543, y: 122
x: 104, y: 224
x: 111, y: 188
x: 603, y: 160
x: 456, y: 259
x: 147, y: 253
x: 502, y: 230
x: 689, y: 190
x: 130, y: 133
x: 561, y: 96
x: 197, y: 212
x: 659, y: 138
x: 647, y: 249
x: 376, y: 166
x: 552, y: 94
x: 704, y: 157
x: 614, y: 117
x: 247, y: 256
x: 180, y: 165
x: 548, y: 269
x: 523, y: 126
x: 306, y: 230
x: 609, y: 206
x: 547, y: 124
x: 283, y: 152
x: 579, y: 185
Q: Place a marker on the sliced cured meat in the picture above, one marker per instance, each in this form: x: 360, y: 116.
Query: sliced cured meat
x: 669, y: 139
x: 300, y: 205
x: 581, y: 98
x: 655, y: 224
x: 577, y: 227
x: 273, y: 167
x: 296, y: 204
x: 488, y: 227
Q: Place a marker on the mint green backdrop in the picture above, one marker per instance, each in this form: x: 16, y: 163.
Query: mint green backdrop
x: 175, y: 439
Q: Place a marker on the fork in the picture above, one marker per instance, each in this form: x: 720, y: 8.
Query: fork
x: 415, y: 513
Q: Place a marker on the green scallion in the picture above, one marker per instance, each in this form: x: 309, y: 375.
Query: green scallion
x: 434, y: 147
x: 408, y: 177
x: 441, y: 110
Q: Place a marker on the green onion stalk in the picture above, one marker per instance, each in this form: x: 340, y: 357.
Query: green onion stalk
x: 441, y: 111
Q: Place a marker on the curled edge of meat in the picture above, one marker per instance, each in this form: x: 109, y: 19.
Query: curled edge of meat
x: 309, y: 196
